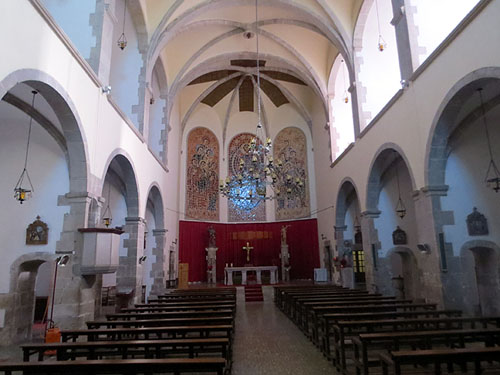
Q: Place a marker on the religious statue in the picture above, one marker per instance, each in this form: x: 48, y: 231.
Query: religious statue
x: 211, y: 237
x: 283, y: 234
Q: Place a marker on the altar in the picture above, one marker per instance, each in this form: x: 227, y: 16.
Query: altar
x: 228, y: 273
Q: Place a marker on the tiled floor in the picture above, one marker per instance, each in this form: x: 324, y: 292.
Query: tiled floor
x: 267, y: 342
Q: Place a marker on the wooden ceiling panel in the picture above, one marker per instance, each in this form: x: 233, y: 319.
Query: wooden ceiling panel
x: 246, y: 95
x: 212, y: 76
x: 280, y: 76
x: 220, y: 92
x: 273, y: 92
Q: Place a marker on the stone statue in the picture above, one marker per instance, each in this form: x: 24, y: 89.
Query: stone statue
x: 211, y: 237
x: 283, y: 234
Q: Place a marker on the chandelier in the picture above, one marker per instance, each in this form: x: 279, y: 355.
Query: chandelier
x: 259, y: 177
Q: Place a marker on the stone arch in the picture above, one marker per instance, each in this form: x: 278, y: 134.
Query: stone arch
x: 23, y: 272
x: 120, y: 163
x: 155, y: 197
x: 387, y: 154
x: 480, y: 263
x: 445, y: 122
x: 408, y: 271
x: 347, y: 191
x: 65, y: 110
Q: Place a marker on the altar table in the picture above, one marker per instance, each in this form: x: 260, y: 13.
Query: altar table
x: 228, y: 274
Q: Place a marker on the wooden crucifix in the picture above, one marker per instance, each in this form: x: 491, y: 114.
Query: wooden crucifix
x: 247, y: 248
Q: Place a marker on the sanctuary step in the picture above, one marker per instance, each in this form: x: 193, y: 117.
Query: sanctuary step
x: 253, y: 293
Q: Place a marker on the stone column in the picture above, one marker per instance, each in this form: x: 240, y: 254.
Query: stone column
x: 430, y: 220
x: 75, y: 294
x: 339, y: 249
x: 371, y: 246
x: 129, y: 274
x: 400, y: 24
x: 285, y: 263
x: 158, y: 266
x: 211, y: 264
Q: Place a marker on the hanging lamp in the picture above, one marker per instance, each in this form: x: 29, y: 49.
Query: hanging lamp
x: 106, y: 216
x: 122, y: 40
x: 400, y: 207
x: 346, y: 94
x: 492, y: 178
x: 382, y: 45
x: 22, y: 191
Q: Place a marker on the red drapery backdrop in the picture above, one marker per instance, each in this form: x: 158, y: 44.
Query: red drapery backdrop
x: 302, y: 239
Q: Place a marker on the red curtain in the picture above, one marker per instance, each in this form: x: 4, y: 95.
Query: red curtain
x: 302, y: 239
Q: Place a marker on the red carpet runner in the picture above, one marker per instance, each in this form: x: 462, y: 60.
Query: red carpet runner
x: 253, y: 293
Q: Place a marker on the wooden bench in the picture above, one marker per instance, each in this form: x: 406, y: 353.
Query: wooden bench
x: 208, y: 320
x: 342, y: 329
x: 118, y: 366
x: 395, y: 341
x: 186, y: 303
x: 148, y: 333
x: 160, y: 308
x: 169, y: 314
x: 318, y: 311
x: 128, y: 348
x: 437, y: 357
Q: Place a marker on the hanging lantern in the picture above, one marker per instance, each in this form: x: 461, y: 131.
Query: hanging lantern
x: 107, y: 218
x: 346, y: 94
x: 492, y: 178
x: 122, y: 40
x: 23, y: 193
x: 382, y: 45
x: 400, y: 207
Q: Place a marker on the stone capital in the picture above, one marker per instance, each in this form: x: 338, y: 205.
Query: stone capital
x: 159, y: 232
x: 371, y: 214
x: 435, y: 190
x: 132, y: 220
x: 340, y: 228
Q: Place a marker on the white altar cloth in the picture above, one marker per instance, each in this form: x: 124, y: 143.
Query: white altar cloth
x: 228, y: 273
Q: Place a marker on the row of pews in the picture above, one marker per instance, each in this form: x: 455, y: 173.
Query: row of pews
x: 366, y: 333
x: 185, y: 331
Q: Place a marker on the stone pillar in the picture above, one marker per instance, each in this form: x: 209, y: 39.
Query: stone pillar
x: 400, y: 24
x: 158, y: 266
x: 371, y: 246
x: 129, y: 274
x: 339, y: 249
x: 430, y: 220
x: 285, y: 263
x: 211, y: 264
x: 75, y: 294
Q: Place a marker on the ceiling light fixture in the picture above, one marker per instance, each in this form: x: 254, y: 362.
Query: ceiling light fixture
x: 259, y: 177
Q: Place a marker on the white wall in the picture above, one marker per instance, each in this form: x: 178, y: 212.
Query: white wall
x: 156, y: 118
x: 465, y: 173
x: 49, y: 174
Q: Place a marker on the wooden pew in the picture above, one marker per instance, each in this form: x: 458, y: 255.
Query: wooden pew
x: 127, y: 348
x: 318, y: 311
x: 282, y: 294
x: 349, y: 328
x: 160, y: 308
x: 329, y: 321
x: 207, y: 320
x: 148, y: 333
x: 120, y: 366
x: 395, y: 341
x: 215, y: 301
x: 169, y: 314
x: 437, y: 357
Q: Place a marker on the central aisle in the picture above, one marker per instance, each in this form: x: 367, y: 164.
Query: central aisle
x: 267, y: 343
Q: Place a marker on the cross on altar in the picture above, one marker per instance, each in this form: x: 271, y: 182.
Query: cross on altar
x: 247, y: 248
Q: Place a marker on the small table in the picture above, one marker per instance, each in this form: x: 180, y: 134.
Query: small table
x: 228, y: 273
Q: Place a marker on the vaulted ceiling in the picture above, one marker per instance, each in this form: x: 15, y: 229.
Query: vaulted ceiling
x: 196, y: 43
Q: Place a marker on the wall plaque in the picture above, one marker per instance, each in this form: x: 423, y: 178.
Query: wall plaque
x: 477, y: 225
x: 399, y: 237
x: 37, y: 233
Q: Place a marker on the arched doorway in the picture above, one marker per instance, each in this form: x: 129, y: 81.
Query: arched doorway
x: 404, y: 273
